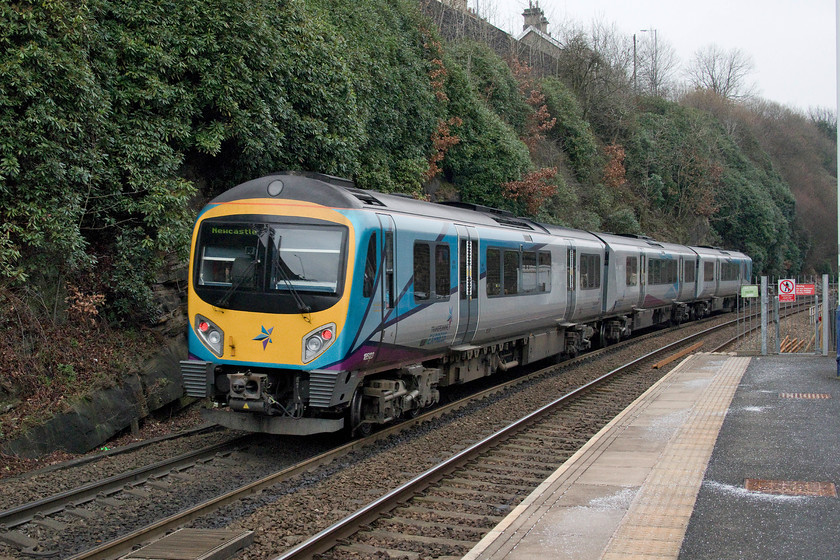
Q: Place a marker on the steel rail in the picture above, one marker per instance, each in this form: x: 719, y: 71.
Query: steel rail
x: 126, y: 543
x: 24, y: 513
x: 326, y: 539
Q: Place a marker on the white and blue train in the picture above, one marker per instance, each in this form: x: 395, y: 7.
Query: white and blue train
x: 316, y: 306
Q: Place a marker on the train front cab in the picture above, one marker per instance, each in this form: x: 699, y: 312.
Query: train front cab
x: 271, y: 286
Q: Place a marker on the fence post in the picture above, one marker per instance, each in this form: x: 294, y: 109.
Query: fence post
x: 824, y: 314
x: 777, y: 322
x: 764, y: 323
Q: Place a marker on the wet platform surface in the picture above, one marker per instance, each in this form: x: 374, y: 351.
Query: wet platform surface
x: 725, y: 457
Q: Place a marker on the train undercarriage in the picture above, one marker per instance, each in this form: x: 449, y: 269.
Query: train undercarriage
x: 302, y: 403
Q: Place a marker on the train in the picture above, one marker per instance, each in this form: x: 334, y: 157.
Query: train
x: 315, y: 306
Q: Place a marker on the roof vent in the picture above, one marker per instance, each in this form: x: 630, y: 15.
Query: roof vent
x: 365, y: 196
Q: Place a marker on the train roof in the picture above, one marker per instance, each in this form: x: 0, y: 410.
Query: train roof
x: 706, y: 251
x: 642, y: 242
x: 341, y: 193
x: 337, y: 192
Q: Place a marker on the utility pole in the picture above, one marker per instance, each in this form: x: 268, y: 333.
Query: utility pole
x: 654, y: 62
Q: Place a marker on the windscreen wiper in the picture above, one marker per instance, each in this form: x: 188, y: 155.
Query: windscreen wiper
x: 277, y: 264
x: 237, y: 282
x: 239, y: 277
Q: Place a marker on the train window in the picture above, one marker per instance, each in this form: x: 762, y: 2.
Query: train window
x: 510, y: 272
x: 442, y: 279
x: 422, y: 272
x: 690, y: 271
x: 529, y: 272
x: 632, y: 271
x: 730, y: 271
x: 709, y: 271
x: 590, y: 271
x: 494, y: 272
x: 544, y: 272
x: 662, y: 271
x: 306, y: 258
x: 370, y: 267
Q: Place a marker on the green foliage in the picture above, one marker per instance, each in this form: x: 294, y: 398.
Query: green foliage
x: 493, y: 81
x: 572, y: 132
x: 686, y: 166
x: 113, y: 113
x: 489, y: 153
x: 53, y: 134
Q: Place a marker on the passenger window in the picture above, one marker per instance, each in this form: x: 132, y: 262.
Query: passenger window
x: 370, y: 267
x: 494, y: 272
x: 590, y: 272
x: 442, y: 283
x: 632, y: 273
x: 544, y: 275
x: 529, y: 272
x: 689, y: 271
x: 422, y: 267
x: 709, y: 271
x: 511, y: 272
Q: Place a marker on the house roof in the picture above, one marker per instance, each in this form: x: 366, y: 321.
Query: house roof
x: 544, y: 36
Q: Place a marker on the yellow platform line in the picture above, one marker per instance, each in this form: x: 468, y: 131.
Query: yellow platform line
x: 655, y: 524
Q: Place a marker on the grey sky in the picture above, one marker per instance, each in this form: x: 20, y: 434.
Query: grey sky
x: 791, y: 42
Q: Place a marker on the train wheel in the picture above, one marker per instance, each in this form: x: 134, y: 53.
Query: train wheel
x: 355, y: 425
x: 603, y: 336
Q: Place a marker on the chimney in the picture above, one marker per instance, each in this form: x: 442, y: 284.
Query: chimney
x: 534, y: 17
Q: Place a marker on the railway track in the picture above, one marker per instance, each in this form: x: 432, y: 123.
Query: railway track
x: 450, y: 507
x: 35, y: 542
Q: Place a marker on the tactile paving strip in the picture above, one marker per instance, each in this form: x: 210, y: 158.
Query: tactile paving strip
x: 642, y: 533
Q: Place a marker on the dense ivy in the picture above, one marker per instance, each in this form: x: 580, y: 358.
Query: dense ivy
x: 494, y: 82
x: 490, y: 152
x: 572, y: 132
x: 118, y: 118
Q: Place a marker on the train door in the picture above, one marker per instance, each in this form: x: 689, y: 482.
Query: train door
x: 642, y: 278
x: 389, y: 295
x: 467, y: 284
x: 571, y: 281
x: 680, y: 279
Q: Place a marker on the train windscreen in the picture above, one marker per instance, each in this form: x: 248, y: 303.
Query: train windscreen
x: 236, y: 262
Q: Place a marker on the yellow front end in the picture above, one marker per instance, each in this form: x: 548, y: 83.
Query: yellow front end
x: 269, y: 295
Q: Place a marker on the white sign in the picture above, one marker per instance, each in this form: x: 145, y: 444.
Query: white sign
x: 787, y: 290
x: 787, y: 286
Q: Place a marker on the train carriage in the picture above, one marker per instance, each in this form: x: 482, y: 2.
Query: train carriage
x: 315, y: 306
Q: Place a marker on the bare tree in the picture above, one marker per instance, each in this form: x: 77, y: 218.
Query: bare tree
x: 655, y: 62
x: 723, y: 72
x: 825, y: 120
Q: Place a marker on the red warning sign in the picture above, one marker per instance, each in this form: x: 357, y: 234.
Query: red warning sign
x: 805, y: 290
x: 787, y: 290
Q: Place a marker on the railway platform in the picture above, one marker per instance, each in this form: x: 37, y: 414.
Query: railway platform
x: 726, y: 457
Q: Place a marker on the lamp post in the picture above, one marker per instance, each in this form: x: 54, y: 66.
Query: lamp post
x: 635, y: 86
x: 836, y: 110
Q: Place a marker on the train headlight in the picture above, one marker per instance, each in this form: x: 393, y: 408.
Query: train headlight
x: 210, y: 334
x: 317, y: 341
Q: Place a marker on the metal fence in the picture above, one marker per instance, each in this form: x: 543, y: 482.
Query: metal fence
x: 787, y: 316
